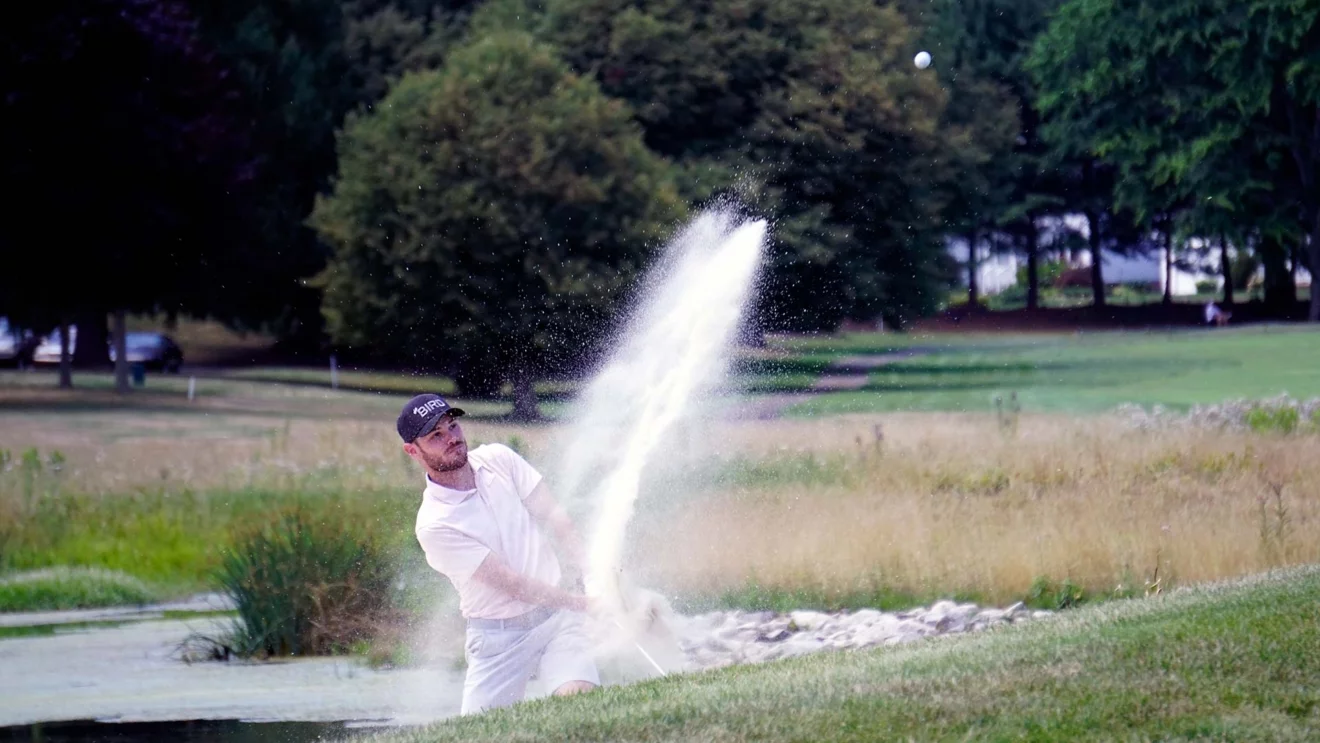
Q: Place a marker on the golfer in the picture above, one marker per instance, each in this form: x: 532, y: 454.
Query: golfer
x: 480, y: 523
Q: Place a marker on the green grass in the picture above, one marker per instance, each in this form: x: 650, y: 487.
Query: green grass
x: 1089, y: 372
x: 1231, y: 662
x: 71, y: 588
x: 348, y: 379
x: 173, y: 539
x: 248, y: 392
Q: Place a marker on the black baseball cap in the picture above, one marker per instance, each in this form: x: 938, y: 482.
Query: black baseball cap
x: 421, y: 414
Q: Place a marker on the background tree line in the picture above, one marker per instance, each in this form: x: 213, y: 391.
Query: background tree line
x: 473, y: 186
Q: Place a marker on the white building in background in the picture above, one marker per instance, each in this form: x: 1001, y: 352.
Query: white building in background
x: 1065, y: 238
x: 1149, y: 269
x: 994, y: 272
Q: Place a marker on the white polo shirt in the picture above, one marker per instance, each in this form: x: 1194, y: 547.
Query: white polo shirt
x: 459, y: 528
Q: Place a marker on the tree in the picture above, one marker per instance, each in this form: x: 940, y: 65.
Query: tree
x: 986, y: 43
x: 810, y: 111
x: 131, y: 159
x: 491, y: 214
x: 383, y: 40
x: 1216, y: 102
x: 304, y: 66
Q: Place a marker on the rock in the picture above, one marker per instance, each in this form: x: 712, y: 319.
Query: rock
x: 718, y: 639
x: 799, y: 646
x: 940, y: 610
x: 967, y: 611
x: 717, y: 644
x: 808, y: 620
x: 865, y: 616
x: 902, y: 638
x: 876, y: 633
x: 913, y: 626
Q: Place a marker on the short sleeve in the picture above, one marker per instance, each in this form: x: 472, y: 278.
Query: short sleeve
x: 452, y: 552
x: 524, y: 475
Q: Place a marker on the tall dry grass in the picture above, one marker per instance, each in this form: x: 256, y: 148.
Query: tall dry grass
x: 956, y: 504
x: 933, y: 504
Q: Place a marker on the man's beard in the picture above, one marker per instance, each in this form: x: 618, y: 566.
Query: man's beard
x: 439, y: 464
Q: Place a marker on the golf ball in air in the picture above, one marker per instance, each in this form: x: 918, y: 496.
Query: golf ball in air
x: 922, y: 60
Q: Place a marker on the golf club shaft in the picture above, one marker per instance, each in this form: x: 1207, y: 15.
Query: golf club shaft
x: 642, y: 650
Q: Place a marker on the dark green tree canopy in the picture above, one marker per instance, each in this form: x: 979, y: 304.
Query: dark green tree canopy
x: 1211, y: 107
x: 490, y: 213
x: 812, y: 111
x: 129, y: 158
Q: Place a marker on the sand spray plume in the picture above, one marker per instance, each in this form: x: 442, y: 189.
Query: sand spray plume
x: 673, y: 351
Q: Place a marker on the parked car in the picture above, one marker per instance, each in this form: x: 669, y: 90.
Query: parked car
x: 48, y: 351
x: 156, y: 351
x: 16, y: 345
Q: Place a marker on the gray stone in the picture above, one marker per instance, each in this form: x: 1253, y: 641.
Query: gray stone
x: 809, y: 620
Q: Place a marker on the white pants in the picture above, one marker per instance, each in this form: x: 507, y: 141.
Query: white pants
x: 500, y: 661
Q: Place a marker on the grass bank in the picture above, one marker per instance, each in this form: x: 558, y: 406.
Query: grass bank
x: 71, y: 588
x: 1236, y: 662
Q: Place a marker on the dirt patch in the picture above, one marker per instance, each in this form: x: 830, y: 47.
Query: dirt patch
x: 847, y: 373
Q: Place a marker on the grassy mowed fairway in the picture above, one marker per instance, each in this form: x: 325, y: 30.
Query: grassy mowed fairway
x: 1228, y: 662
x: 1079, y: 373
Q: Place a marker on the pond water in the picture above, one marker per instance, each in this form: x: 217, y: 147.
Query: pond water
x: 131, y: 673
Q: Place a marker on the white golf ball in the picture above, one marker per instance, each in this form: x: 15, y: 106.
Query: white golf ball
x: 922, y: 60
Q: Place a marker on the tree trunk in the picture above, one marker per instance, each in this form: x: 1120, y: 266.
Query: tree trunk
x: 1097, y: 270
x: 1314, y: 314
x: 474, y: 380
x: 1033, y: 266
x: 524, y: 398
x: 91, y: 348
x: 1226, y: 267
x: 121, y: 351
x: 1280, y: 291
x: 973, y: 290
x: 66, y: 358
x: 1168, y: 265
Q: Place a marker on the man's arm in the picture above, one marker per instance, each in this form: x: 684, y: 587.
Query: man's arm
x: 494, y: 572
x: 545, y: 509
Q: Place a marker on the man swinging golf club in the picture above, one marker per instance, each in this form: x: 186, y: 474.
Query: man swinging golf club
x: 480, y: 525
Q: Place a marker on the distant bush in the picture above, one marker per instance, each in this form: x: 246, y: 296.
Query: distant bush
x: 1273, y: 420
x: 1206, y: 286
x: 71, y: 588
x: 305, y: 585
